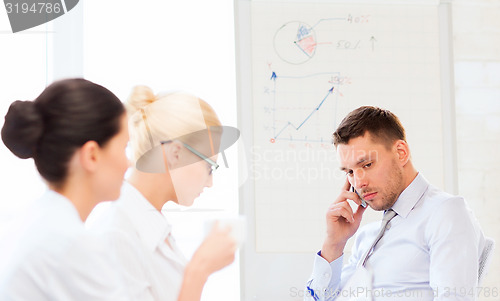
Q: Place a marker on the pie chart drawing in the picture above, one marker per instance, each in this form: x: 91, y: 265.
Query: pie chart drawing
x: 295, y: 42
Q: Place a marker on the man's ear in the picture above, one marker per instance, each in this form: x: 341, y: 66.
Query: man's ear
x: 402, y: 151
x: 89, y: 155
x: 172, y: 153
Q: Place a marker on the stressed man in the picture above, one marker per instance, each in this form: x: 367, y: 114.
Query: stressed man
x: 428, y: 244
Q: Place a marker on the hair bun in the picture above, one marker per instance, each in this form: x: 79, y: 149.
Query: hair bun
x: 22, y: 129
x: 140, y: 97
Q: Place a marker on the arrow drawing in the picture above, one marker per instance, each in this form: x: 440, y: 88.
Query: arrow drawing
x: 309, y: 116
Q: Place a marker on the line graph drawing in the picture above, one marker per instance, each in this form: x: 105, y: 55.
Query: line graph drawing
x: 303, y: 122
x: 289, y: 124
x: 303, y: 107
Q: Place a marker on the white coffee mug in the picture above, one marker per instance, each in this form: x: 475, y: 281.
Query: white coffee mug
x: 236, y: 223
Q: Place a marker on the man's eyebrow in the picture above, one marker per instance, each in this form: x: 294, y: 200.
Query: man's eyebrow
x: 360, y: 161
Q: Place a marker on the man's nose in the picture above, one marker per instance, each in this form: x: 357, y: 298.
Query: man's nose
x: 360, y: 179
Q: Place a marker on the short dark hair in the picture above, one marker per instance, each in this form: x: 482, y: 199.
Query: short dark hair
x: 66, y: 115
x: 383, y: 126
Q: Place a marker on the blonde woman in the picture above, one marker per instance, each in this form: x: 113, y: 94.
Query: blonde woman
x: 175, y: 139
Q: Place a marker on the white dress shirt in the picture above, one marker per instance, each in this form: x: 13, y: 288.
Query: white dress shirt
x: 137, y: 234
x: 47, y: 254
x: 430, y: 251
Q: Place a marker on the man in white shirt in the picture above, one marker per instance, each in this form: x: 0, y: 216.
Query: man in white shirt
x: 429, y: 245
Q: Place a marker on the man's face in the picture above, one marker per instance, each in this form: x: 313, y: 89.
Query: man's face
x: 373, y: 170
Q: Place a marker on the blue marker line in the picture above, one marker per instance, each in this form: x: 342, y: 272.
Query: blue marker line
x: 301, y: 49
x: 316, y: 109
x: 303, y: 122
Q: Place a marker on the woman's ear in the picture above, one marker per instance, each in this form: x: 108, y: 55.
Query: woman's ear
x: 89, y: 156
x: 402, y: 151
x: 173, y: 154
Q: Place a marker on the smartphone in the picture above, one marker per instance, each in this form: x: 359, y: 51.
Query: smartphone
x: 363, y: 203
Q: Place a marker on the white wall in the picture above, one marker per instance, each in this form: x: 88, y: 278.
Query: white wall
x: 25, y: 61
x: 476, y: 26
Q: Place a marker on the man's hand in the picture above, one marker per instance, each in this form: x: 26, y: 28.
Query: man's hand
x: 341, y: 223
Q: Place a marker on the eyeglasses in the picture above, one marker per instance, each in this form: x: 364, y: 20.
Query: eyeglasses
x: 213, y: 164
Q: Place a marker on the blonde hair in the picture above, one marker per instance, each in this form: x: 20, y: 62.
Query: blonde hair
x: 155, y: 118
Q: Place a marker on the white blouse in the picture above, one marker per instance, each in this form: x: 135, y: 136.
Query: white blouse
x: 137, y: 234
x: 47, y: 254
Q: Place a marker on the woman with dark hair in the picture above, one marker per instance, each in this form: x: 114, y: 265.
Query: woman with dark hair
x: 76, y: 132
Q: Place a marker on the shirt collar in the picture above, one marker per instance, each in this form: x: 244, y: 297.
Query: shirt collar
x: 410, y: 196
x: 152, y: 226
x: 52, y: 201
